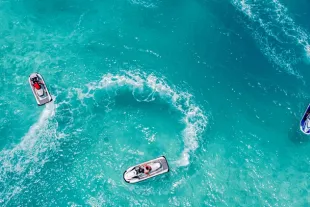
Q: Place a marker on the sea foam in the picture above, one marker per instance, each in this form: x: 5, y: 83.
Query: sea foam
x: 281, y: 40
x: 137, y: 82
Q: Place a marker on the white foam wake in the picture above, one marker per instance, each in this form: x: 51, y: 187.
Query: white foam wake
x: 25, y: 158
x: 140, y: 83
x: 145, y: 3
x: 280, y: 38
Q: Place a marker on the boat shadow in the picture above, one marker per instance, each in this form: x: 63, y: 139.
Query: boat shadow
x: 296, y: 136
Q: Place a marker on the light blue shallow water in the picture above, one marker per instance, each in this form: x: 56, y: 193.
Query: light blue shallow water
x: 218, y: 87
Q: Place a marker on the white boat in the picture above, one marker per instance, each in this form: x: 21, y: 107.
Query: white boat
x: 146, y: 170
x: 305, y: 122
x: 40, y: 93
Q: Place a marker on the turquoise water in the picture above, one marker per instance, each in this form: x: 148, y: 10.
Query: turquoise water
x: 218, y: 87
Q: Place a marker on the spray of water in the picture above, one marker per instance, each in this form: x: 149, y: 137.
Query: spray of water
x: 193, y: 117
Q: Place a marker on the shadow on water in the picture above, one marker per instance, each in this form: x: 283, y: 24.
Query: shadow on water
x: 124, y: 100
x: 296, y: 136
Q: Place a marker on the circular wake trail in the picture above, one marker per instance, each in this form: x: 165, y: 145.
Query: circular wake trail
x: 140, y: 83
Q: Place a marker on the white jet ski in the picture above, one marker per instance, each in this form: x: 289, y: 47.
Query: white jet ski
x: 305, y: 122
x: 146, y: 170
x: 39, y: 89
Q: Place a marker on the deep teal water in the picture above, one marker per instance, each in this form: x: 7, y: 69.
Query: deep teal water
x: 218, y: 87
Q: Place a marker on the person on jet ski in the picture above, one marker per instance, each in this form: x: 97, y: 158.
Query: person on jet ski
x: 145, y: 169
x: 36, y: 83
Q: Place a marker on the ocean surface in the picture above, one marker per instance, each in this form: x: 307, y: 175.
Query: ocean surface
x: 217, y: 86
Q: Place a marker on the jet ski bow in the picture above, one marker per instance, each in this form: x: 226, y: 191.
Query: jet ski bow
x: 39, y: 89
x: 305, y: 122
x: 146, y: 170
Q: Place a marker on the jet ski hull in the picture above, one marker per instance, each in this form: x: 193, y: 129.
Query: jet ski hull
x: 163, y: 169
x: 305, y: 123
x: 40, y: 98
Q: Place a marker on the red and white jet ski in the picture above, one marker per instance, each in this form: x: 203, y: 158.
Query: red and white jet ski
x: 146, y: 170
x: 39, y: 89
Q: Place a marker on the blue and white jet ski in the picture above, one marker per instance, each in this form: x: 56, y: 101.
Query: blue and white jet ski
x: 41, y: 93
x: 146, y: 170
x: 305, y: 122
